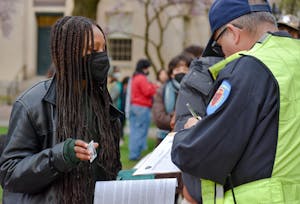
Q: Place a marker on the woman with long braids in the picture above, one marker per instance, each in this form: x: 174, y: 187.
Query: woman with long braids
x: 46, y: 159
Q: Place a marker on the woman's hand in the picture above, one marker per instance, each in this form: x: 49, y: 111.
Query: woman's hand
x: 81, y: 150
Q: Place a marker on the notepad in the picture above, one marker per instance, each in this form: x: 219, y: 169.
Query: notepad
x: 158, y: 191
x: 159, y: 161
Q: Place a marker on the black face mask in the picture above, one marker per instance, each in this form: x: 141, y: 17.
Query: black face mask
x: 99, y: 64
x: 178, y: 77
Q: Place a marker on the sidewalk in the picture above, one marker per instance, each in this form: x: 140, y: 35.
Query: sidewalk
x: 5, y: 111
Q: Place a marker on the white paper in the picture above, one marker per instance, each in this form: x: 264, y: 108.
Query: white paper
x: 158, y: 191
x: 142, y: 161
x: 159, y: 161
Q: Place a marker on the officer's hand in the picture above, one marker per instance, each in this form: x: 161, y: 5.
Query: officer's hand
x: 81, y: 150
x: 172, y: 122
x: 191, y: 122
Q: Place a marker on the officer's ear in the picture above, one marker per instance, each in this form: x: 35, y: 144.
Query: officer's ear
x: 234, y: 33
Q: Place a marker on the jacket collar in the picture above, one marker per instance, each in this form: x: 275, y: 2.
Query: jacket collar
x: 282, y: 33
x: 50, y: 95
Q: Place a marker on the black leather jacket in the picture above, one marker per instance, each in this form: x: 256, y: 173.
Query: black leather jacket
x: 32, y: 159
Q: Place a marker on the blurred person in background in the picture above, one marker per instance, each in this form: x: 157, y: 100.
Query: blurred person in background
x: 123, y: 105
x: 115, y: 89
x: 165, y: 99
x: 161, y: 77
x: 194, y: 50
x: 115, y: 86
x: 141, y: 97
x: 289, y: 23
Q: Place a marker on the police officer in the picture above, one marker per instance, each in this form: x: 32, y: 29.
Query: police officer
x: 290, y: 24
x: 248, y: 141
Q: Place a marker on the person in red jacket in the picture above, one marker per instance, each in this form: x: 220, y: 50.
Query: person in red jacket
x: 142, y: 92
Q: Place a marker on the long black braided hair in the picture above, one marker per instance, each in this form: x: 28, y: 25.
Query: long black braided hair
x: 82, y: 108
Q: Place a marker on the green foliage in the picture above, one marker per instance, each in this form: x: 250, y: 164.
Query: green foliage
x: 87, y: 8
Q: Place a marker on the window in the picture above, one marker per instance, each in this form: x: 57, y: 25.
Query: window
x: 120, y: 49
x: 120, y: 42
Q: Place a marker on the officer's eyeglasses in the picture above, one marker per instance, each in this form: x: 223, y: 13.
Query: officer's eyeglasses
x: 215, y: 45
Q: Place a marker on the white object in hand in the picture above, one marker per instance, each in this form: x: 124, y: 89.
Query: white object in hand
x: 92, y: 151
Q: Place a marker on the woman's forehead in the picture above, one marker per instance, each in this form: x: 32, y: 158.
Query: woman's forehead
x: 99, y: 40
x: 97, y: 31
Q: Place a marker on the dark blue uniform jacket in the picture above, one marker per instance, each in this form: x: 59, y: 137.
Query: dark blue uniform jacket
x: 240, y: 136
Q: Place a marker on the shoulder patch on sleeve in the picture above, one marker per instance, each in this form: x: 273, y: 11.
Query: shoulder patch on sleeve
x: 219, y: 98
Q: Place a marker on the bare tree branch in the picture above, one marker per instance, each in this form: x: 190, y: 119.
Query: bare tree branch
x: 156, y: 15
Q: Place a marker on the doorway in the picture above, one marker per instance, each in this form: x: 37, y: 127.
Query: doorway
x: 44, y: 22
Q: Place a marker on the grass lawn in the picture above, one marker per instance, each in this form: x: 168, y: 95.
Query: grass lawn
x: 126, y: 163
x: 3, y: 130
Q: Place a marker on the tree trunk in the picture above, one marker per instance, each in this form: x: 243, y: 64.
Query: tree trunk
x: 290, y: 6
x: 293, y: 7
x: 87, y: 8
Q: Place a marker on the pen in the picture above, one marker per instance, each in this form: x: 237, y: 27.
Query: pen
x: 194, y: 114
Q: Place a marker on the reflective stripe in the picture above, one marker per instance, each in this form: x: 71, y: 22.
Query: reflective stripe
x: 219, y: 194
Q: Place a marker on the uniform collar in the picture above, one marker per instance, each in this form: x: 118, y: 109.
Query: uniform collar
x: 215, y: 69
x: 281, y: 33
